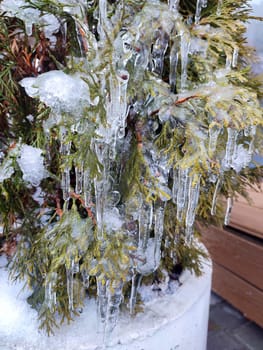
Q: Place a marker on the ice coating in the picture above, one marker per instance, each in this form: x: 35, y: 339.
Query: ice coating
x: 193, y: 197
x: 50, y: 292
x: 123, y: 116
x: 185, y: 48
x: 214, y: 132
x: 182, y: 192
x: 231, y: 148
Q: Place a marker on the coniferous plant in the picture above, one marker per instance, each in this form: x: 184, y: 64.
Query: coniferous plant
x: 121, y: 123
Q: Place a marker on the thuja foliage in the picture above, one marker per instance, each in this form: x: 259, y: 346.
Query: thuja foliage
x: 121, y: 123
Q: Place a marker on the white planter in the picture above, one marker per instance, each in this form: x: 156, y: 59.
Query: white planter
x: 169, y: 322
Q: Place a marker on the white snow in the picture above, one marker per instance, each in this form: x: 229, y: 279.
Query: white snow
x: 62, y: 92
x: 31, y: 162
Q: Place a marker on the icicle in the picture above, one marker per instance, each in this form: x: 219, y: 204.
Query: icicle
x: 173, y: 5
x: 199, y: 5
x: 235, y: 57
x: 87, y: 188
x: 123, y: 78
x: 214, y: 132
x: 50, y: 293
x: 65, y: 178
x: 100, y: 196
x: 193, y: 196
x: 231, y: 148
x: 70, y: 283
x: 158, y: 52
x: 136, y: 282
x: 79, y: 179
x: 182, y: 193
x: 217, y: 189
x: 145, y: 222
x: 65, y: 184
x: 251, y: 132
x: 174, y: 56
x: 219, y: 7
x: 185, y: 48
x: 101, y: 303
x: 28, y: 28
x: 158, y: 234
x: 115, y: 297
x: 250, y: 151
x: 228, y: 210
x: 103, y: 20
x: 228, y: 61
x: 175, y: 186
x: 85, y: 278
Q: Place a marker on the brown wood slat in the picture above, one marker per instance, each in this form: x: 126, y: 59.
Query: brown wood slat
x: 238, y: 254
x: 239, y: 293
x: 249, y: 217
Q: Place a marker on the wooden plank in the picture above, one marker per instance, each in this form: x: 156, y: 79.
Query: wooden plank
x: 239, y: 293
x: 241, y: 255
x: 248, y: 217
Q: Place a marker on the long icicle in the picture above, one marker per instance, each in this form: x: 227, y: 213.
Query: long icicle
x: 70, y: 283
x: 136, y: 282
x: 199, y: 5
x: 182, y: 193
x: 193, y: 197
x: 230, y: 202
x: 174, y: 57
x: 216, y: 191
x: 114, y: 299
x: 50, y: 293
x: 101, y: 303
x: 158, y: 234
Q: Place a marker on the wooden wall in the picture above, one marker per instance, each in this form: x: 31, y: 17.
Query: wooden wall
x: 237, y: 254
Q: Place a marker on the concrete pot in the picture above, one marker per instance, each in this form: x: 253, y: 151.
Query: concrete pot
x: 169, y: 322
